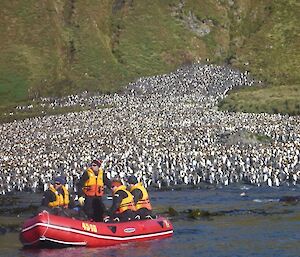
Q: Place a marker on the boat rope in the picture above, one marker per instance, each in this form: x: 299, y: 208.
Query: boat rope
x: 48, y: 223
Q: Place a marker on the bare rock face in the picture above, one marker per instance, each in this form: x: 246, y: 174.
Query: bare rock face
x: 201, y: 28
x: 191, y: 22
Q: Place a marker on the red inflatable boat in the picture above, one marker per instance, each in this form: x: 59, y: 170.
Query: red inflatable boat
x: 47, y: 230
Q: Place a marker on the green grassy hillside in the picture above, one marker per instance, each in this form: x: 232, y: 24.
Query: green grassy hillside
x: 270, y: 50
x: 59, y: 47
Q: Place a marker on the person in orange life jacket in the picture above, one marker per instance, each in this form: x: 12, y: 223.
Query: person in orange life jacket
x: 90, y: 190
x: 122, y: 208
x: 141, y: 198
x: 57, y: 195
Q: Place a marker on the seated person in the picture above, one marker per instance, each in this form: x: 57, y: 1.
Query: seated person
x: 56, y: 199
x: 141, y: 198
x: 122, y: 208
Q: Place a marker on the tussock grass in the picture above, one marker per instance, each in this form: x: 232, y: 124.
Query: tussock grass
x: 272, y: 99
x: 10, y: 114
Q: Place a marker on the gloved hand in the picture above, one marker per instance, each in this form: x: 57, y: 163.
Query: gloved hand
x: 81, y: 200
x: 106, y: 219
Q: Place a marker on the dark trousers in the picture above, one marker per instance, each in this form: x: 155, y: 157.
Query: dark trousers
x: 59, y: 211
x: 124, y: 216
x: 94, y: 207
x: 143, y: 213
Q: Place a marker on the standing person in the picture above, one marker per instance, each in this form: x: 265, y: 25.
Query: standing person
x: 122, y: 207
x: 141, y: 198
x: 57, y: 198
x: 90, y: 190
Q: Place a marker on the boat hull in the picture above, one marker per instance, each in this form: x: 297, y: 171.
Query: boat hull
x: 46, y: 230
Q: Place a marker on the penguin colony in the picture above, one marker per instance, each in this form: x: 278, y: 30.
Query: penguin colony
x: 165, y: 129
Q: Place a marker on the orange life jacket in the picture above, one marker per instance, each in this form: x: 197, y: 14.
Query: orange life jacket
x: 94, y: 186
x: 60, y: 199
x: 127, y: 203
x: 144, y: 202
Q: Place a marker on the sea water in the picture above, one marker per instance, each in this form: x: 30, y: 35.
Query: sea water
x: 240, y: 220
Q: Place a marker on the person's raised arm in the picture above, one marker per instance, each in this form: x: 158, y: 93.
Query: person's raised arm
x: 137, y: 195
